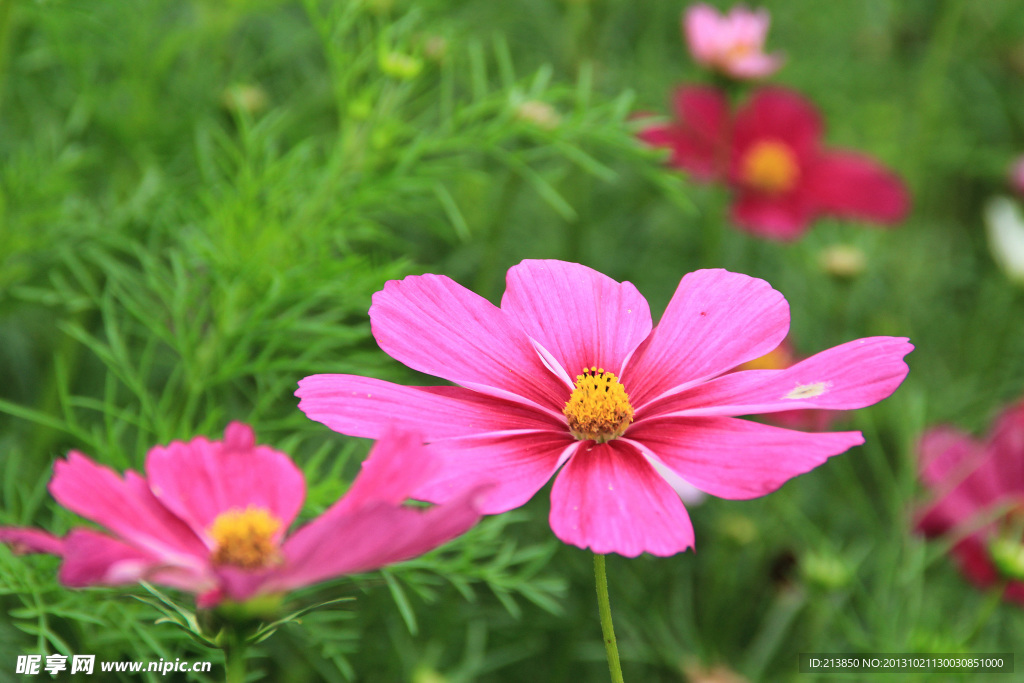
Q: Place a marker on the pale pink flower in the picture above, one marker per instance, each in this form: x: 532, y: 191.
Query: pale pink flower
x: 569, y: 373
x: 732, y: 44
x: 211, y: 518
x: 971, y: 479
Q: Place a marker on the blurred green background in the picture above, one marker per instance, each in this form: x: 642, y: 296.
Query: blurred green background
x: 198, y: 198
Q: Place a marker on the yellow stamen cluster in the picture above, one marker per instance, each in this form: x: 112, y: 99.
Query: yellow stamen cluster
x: 245, y: 538
x: 770, y: 166
x: 598, y: 408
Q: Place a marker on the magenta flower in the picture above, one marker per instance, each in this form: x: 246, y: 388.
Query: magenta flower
x: 211, y: 518
x: 731, y: 44
x: 569, y: 373
x: 780, y: 358
x: 971, y: 480
x: 771, y: 154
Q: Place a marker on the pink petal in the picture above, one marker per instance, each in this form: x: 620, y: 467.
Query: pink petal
x: 95, y: 559
x: 580, y: 316
x: 965, y: 479
x: 781, y: 217
x: 201, y: 479
x: 395, y: 467
x: 776, y: 114
x: 436, y: 326
x: 715, y: 321
x: 850, y: 185
x: 737, y: 459
x: 368, y: 538
x: 367, y: 407
x: 755, y: 65
x: 699, y: 136
x: 703, y: 29
x: 610, y: 499
x: 25, y: 541
x: 852, y: 375
x: 749, y: 27
x: 1007, y: 447
x: 91, y: 559
x: 948, y: 455
x: 127, y: 507
x: 515, y: 466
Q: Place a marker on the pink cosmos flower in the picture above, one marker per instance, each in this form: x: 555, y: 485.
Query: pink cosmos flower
x: 211, y: 518
x: 971, y: 480
x: 780, y: 358
x: 570, y: 373
x: 732, y: 44
x: 771, y: 154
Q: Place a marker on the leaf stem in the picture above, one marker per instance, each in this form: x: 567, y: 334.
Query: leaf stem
x: 605, y: 609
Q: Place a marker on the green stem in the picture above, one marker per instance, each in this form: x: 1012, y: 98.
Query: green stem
x: 605, y: 608
x: 234, y: 661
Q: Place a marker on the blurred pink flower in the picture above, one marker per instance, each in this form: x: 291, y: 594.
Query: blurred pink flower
x: 1016, y: 176
x: 770, y: 153
x: 781, y: 358
x: 970, y: 479
x: 570, y: 373
x: 732, y: 44
x: 211, y: 518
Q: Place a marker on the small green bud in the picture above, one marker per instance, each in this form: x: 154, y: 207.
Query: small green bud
x: 825, y: 570
x: 400, y: 65
x: 1008, y: 557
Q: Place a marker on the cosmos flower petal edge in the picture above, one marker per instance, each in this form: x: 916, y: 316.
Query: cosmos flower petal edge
x: 849, y: 376
x: 567, y: 308
x: 738, y: 459
x: 611, y: 500
x: 411, y: 320
x: 715, y: 321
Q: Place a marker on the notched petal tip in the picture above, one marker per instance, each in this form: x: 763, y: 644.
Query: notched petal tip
x: 239, y: 436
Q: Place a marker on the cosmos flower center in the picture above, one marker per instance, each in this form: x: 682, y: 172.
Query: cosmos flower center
x: 738, y: 50
x: 599, y: 408
x: 770, y: 166
x: 245, y: 538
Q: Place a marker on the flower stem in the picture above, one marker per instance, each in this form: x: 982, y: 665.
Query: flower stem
x: 605, y: 608
x: 234, y: 662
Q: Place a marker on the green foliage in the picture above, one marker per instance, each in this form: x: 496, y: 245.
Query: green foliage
x: 198, y: 199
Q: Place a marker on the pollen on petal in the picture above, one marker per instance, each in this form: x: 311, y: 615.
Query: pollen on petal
x: 803, y: 391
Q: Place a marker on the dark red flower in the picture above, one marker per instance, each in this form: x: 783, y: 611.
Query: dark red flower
x: 971, y: 481
x: 770, y: 153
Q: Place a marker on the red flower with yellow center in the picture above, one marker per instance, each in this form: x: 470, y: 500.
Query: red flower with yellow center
x: 770, y: 153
